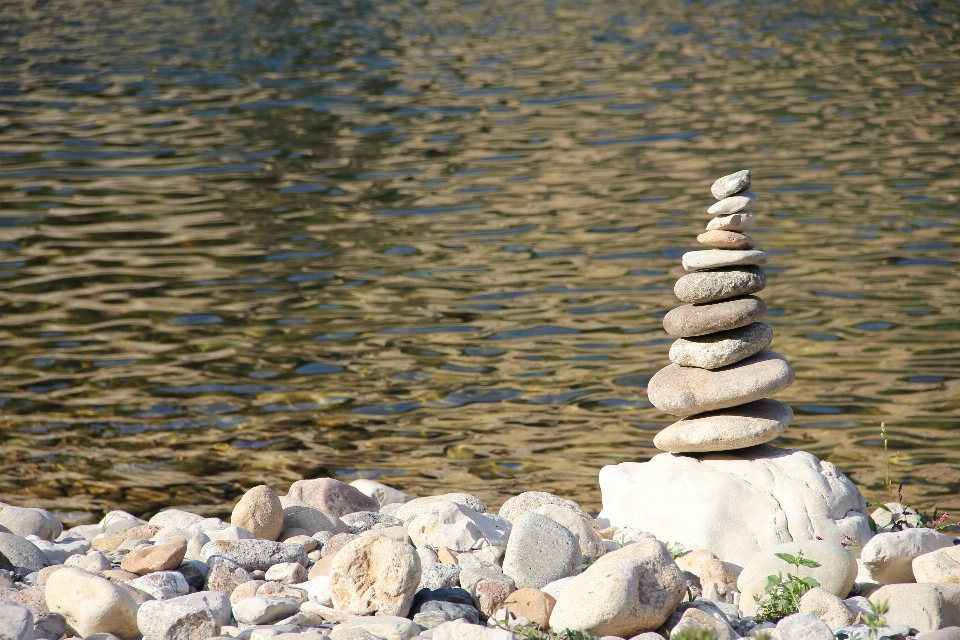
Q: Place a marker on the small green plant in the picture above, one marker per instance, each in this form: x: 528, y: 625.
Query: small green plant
x: 782, y: 595
x: 889, y: 459
x: 692, y: 634
x: 676, y: 549
x: 874, y: 619
x: 533, y: 631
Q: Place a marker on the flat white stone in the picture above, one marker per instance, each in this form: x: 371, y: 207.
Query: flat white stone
x: 715, y: 350
x: 715, y: 258
x: 734, y: 222
x: 733, y: 204
x: 731, y: 184
x: 735, y: 428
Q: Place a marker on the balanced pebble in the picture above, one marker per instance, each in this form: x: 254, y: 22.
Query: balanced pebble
x: 723, y: 348
x: 733, y: 204
x: 684, y: 391
x: 742, y: 426
x: 700, y: 319
x: 729, y: 185
x: 729, y: 282
x: 733, y: 222
x: 726, y: 240
x: 716, y: 258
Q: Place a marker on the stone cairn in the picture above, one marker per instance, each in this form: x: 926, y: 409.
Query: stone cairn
x: 721, y: 373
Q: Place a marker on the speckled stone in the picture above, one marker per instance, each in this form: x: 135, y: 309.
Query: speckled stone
x: 728, y: 185
x: 734, y: 428
x: 733, y: 204
x: 720, y: 349
x: 684, y: 391
x: 716, y: 258
x: 734, y: 222
x: 700, y: 319
x: 726, y: 240
x: 729, y: 282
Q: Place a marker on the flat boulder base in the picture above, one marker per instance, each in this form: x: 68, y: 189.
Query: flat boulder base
x: 836, y: 573
x: 700, y: 319
x: 734, y: 504
x: 722, y: 348
x: 716, y: 258
x: 734, y: 428
x: 925, y: 607
x: 726, y: 240
x: 623, y: 593
x: 719, y: 284
x: 684, y: 391
x: 733, y: 222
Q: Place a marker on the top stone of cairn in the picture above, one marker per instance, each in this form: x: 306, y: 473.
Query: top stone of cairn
x: 731, y: 184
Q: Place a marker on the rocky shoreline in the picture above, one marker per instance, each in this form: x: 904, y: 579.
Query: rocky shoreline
x: 721, y: 536
x: 364, y: 561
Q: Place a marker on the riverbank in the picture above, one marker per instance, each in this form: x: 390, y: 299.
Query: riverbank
x: 367, y: 562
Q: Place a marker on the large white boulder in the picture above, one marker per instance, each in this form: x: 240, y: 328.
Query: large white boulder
x: 735, y: 503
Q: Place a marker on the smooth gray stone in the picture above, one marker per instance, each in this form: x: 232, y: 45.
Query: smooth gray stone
x: 361, y: 521
x: 439, y: 576
x: 733, y: 222
x: 540, y: 550
x: 717, y: 258
x: 684, y: 391
x: 738, y: 427
x: 254, y: 555
x: 22, y: 554
x: 729, y: 185
x: 16, y: 622
x: 700, y: 319
x: 720, y: 349
x: 28, y: 521
x: 719, y: 284
x: 733, y: 204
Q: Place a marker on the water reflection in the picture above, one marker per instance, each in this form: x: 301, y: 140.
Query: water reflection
x: 432, y: 242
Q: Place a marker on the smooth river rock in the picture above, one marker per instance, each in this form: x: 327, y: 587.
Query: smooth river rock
x: 733, y: 204
x: 708, y: 286
x: 726, y: 240
x: 91, y: 604
x: 684, y: 391
x: 734, y: 428
x: 722, y: 348
x: 732, y: 184
x: 716, y: 258
x: 700, y: 319
x: 736, y: 503
x: 733, y: 222
x: 259, y: 511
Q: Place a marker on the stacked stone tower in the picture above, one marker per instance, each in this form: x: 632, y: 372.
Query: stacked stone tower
x: 721, y: 373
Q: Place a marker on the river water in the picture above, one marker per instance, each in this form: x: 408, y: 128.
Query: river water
x: 431, y: 242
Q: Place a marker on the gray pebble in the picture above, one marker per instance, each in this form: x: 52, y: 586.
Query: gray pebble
x: 22, y: 554
x: 733, y: 204
x: 540, y: 550
x: 16, y: 622
x: 439, y: 576
x: 709, y: 286
x: 719, y: 349
x: 729, y: 185
x: 733, y: 222
x: 366, y: 520
x: 254, y: 554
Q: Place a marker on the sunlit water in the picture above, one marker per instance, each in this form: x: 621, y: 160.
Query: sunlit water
x: 431, y: 242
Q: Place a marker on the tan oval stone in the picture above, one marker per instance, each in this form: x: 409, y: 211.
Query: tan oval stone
x: 91, y: 604
x: 684, y: 391
x: 723, y: 348
x: 726, y: 240
x: 734, y: 428
x: 532, y: 604
x: 701, y: 319
x: 160, y: 557
x: 719, y: 284
x: 260, y: 512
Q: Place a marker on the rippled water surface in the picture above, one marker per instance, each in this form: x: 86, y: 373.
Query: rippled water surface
x: 431, y: 242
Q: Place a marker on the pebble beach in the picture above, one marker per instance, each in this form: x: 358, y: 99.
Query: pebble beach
x: 722, y: 535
